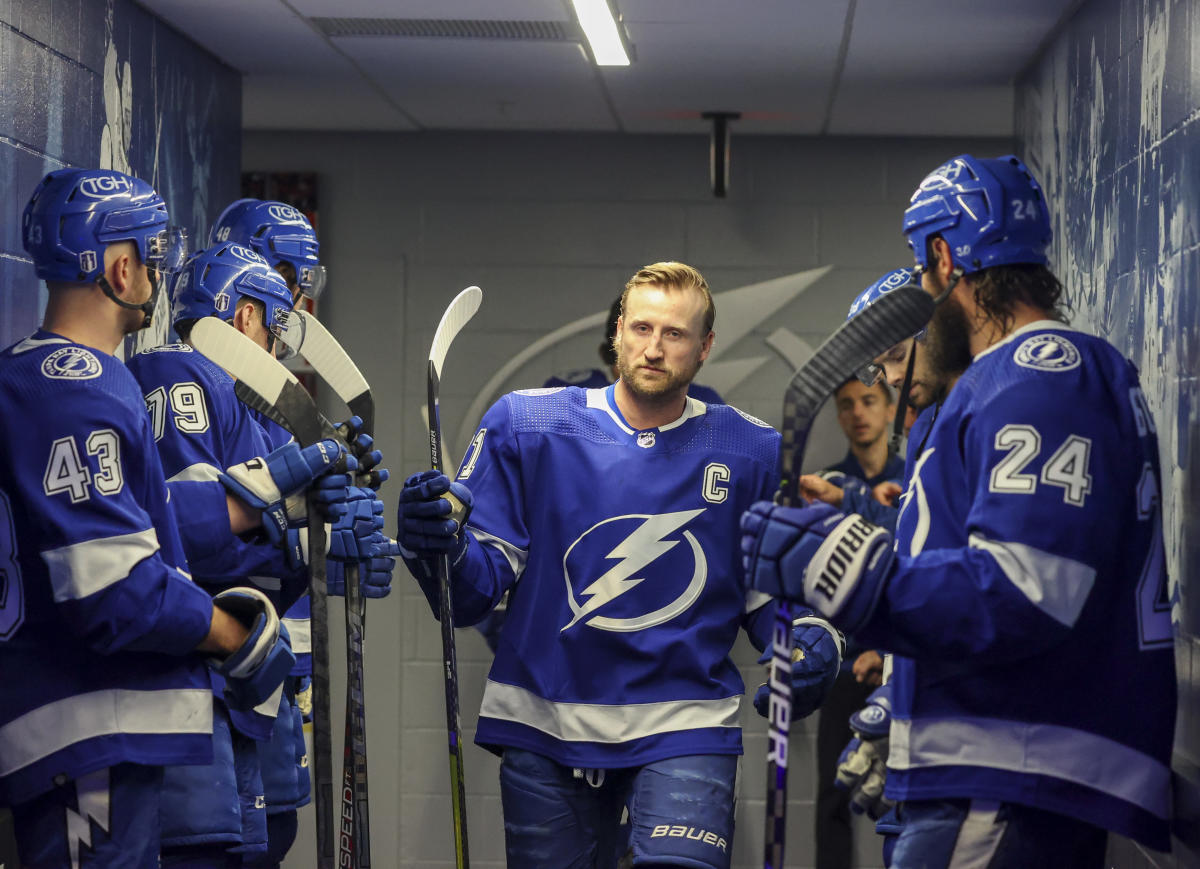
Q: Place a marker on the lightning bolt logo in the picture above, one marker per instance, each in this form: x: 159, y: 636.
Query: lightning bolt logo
x: 643, y: 546
x: 94, y: 805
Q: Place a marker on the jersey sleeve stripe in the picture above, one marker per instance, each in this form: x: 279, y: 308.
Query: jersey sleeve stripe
x: 82, y: 569
x: 756, y: 599
x: 201, y: 472
x: 63, y: 723
x: 1039, y: 749
x: 300, y: 630
x: 587, y: 722
x: 1057, y: 586
x: 515, y: 556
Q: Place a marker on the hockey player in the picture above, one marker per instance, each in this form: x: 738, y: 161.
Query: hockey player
x: 611, y: 514
x: 282, y: 236
x: 203, y: 426
x: 98, y: 615
x: 1027, y: 577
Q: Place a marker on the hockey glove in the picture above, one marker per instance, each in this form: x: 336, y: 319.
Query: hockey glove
x: 817, y: 649
x: 267, y: 484
x: 835, y: 563
x: 432, y: 512
x: 369, y: 476
x: 374, y: 574
x: 256, y: 670
x: 862, y: 767
x: 353, y: 522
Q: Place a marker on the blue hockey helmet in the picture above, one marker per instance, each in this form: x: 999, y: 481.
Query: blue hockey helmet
x: 74, y: 214
x: 991, y: 212
x: 870, y: 373
x: 280, y: 233
x: 214, y: 279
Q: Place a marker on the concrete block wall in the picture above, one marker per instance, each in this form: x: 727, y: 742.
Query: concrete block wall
x: 551, y: 226
x: 103, y: 84
x: 1109, y: 118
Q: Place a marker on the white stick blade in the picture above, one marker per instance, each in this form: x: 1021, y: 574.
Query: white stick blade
x: 240, y: 356
x: 327, y: 356
x: 460, y: 311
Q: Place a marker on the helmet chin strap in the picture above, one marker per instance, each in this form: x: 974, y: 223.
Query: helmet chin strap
x: 146, y: 307
x: 902, y: 400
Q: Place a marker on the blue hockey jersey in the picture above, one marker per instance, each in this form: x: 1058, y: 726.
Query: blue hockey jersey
x: 97, y: 611
x: 620, y: 548
x: 201, y: 428
x: 1028, y: 608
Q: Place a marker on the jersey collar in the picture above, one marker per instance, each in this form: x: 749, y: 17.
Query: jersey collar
x: 606, y: 400
x: 1036, y: 326
x: 40, y: 338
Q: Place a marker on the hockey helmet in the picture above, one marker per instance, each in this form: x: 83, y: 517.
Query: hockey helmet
x: 214, y: 279
x: 991, y: 212
x: 74, y: 214
x: 280, y: 233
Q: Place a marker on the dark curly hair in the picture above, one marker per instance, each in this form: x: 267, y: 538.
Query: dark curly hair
x: 1000, y: 288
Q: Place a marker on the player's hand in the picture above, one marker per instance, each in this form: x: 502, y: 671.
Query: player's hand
x: 814, y: 487
x: 787, y: 552
x: 817, y: 649
x: 369, y: 474
x: 862, y: 767
x: 431, y: 515
x: 374, y: 573
x: 887, y: 493
x: 257, y: 669
x: 868, y: 668
x: 353, y: 521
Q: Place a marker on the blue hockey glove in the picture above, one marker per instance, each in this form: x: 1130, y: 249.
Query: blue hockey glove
x: 835, y: 563
x: 862, y: 767
x: 268, y: 484
x: 256, y: 670
x: 369, y: 475
x: 432, y: 512
x: 817, y: 649
x: 374, y: 574
x: 353, y: 522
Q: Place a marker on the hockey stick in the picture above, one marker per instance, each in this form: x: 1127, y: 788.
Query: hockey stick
x: 896, y: 316
x: 461, y: 310
x: 263, y: 382
x: 306, y: 335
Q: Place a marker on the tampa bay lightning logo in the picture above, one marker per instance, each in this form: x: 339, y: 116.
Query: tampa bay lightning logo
x: 872, y: 714
x: 71, y: 363
x: 1048, y: 352
x: 614, y: 557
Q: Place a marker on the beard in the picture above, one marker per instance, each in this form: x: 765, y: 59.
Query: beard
x: 655, y: 388
x: 949, y: 341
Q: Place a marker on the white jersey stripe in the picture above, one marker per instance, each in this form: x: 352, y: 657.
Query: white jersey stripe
x: 84, y: 568
x: 300, y: 630
x: 1057, y: 586
x: 201, y: 472
x: 1033, y: 749
x: 979, y: 836
x: 582, y: 722
x: 63, y: 723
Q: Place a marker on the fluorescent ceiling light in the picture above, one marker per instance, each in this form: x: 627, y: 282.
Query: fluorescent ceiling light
x: 602, y: 31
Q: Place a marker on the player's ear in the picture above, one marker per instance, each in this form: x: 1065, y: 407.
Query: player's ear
x: 706, y: 347
x: 119, y: 267
x: 944, y: 263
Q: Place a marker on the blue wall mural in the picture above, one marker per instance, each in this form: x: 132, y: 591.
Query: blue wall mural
x: 1109, y: 119
x: 103, y: 83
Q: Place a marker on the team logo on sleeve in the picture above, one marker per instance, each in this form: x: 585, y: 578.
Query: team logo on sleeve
x: 1048, y: 352
x: 614, y: 557
x: 71, y: 363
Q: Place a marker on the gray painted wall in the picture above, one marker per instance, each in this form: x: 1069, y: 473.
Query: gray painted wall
x: 551, y: 226
x: 1109, y: 119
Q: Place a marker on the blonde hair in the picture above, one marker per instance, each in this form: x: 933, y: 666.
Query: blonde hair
x: 673, y: 276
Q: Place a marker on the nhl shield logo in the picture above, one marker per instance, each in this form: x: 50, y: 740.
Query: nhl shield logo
x: 645, y: 439
x: 71, y: 363
x: 1049, y: 352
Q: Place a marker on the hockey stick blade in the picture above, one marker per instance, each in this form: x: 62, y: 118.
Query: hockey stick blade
x: 460, y: 310
x: 262, y: 379
x: 894, y: 317
x: 307, y: 335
